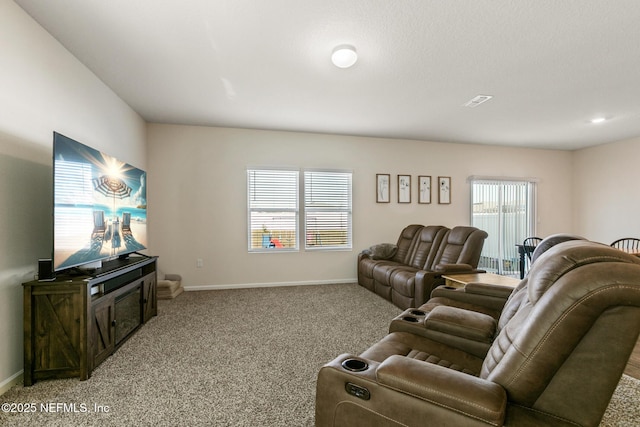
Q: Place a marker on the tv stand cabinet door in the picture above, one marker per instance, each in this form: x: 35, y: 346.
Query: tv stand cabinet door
x: 55, y: 340
x: 103, y: 329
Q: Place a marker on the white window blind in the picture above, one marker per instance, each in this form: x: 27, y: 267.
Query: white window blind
x: 273, y: 209
x: 506, y: 210
x: 327, y: 209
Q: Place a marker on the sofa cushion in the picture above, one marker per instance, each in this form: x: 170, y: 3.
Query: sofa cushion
x: 383, y: 269
x: 406, y: 243
x: 426, y: 246
x: 402, y: 280
x: 462, y: 244
x: 421, y: 348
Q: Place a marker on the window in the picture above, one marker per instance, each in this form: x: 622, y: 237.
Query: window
x: 274, y: 215
x: 505, y: 209
x: 273, y: 209
x: 327, y: 210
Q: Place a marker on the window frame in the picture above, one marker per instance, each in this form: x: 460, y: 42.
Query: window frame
x: 301, y: 211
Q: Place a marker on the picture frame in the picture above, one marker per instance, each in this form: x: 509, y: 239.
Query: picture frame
x: 383, y: 188
x: 424, y: 189
x: 444, y: 190
x: 404, y: 188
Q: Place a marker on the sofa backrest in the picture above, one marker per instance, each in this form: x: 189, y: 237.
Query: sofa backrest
x: 461, y: 245
x: 575, y: 325
x: 406, y: 243
x: 425, y: 249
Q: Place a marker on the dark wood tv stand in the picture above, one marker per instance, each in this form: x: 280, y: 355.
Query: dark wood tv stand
x: 75, y: 322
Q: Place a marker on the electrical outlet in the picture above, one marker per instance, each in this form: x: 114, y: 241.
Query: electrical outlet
x: 199, y: 263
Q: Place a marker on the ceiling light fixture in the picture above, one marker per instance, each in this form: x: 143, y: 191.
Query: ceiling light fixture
x: 344, y: 56
x: 598, y: 120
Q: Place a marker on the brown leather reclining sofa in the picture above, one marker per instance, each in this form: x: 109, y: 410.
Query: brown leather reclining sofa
x: 423, y: 254
x: 552, y: 358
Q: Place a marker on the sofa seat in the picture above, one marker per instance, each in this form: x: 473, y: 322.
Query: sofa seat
x: 420, y: 348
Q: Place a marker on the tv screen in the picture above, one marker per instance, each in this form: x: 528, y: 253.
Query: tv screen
x: 100, y: 205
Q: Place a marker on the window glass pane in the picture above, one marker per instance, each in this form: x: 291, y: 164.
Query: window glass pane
x: 273, y: 209
x: 327, y: 199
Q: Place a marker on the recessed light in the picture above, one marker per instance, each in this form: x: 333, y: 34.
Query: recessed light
x: 598, y: 120
x: 344, y: 56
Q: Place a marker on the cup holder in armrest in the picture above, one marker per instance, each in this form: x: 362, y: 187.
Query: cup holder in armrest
x: 355, y: 365
x: 410, y: 319
x: 418, y: 312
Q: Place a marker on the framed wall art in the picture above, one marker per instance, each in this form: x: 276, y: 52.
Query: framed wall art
x: 382, y: 188
x: 444, y: 190
x: 424, y: 189
x: 404, y: 188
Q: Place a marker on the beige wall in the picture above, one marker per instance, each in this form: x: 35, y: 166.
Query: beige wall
x: 197, y: 196
x: 607, y: 199
x: 43, y: 88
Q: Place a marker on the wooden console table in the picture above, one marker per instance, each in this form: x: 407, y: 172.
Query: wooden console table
x: 460, y: 280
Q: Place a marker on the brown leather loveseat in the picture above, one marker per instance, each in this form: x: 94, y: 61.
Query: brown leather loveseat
x: 553, y: 358
x: 423, y: 254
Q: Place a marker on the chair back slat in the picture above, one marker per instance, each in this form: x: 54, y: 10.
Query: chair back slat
x: 627, y: 244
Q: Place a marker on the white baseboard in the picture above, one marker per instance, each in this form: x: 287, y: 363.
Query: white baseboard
x: 269, y: 285
x: 10, y: 382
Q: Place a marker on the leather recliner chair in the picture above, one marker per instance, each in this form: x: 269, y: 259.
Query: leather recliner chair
x: 552, y: 359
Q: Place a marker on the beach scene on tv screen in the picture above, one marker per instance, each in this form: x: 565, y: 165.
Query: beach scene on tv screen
x: 100, y: 206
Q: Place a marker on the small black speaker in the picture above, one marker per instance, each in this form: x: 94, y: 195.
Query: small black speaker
x: 45, y: 270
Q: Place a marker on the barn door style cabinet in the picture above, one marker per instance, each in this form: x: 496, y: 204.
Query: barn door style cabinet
x: 75, y: 322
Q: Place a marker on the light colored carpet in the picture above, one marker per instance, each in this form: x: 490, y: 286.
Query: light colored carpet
x: 246, y: 357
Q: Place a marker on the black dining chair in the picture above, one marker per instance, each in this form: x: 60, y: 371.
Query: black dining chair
x: 528, y: 246
x: 627, y: 244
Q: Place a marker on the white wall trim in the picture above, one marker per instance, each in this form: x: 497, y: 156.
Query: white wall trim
x: 269, y: 285
x: 10, y: 382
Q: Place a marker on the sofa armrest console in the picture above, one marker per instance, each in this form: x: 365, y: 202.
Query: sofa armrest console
x: 461, y: 323
x: 453, y: 268
x: 466, y: 330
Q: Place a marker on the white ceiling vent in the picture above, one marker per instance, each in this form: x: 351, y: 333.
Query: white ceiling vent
x: 478, y: 100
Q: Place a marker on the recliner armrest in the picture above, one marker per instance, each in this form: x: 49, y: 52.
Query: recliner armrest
x: 463, y: 393
x: 453, y: 268
x: 489, y: 290
x: 363, y: 255
x: 458, y: 322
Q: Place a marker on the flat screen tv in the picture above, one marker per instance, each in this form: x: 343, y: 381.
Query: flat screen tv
x: 100, y: 206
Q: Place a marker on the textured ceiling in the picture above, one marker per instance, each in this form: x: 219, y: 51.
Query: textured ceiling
x: 550, y: 65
